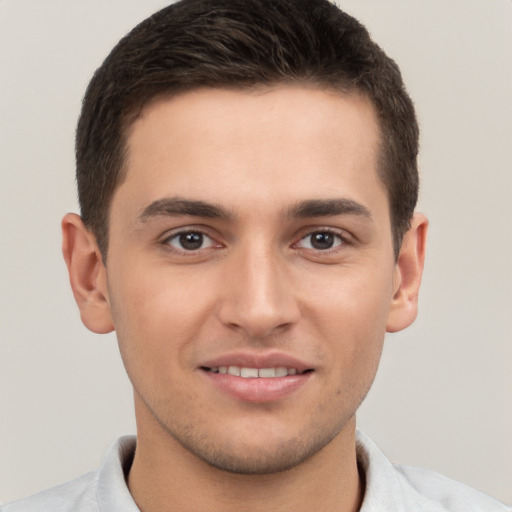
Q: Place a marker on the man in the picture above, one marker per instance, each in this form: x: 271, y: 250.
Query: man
x: 247, y: 180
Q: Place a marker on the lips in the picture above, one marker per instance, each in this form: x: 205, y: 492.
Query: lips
x: 257, y: 378
x: 254, y: 373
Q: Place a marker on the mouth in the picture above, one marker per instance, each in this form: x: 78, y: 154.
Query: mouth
x: 255, y: 373
x: 248, y: 379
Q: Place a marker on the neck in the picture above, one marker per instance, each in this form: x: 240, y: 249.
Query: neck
x: 165, y: 476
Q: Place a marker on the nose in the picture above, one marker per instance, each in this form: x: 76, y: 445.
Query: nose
x: 259, y: 298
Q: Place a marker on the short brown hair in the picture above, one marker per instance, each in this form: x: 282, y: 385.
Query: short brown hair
x: 240, y: 44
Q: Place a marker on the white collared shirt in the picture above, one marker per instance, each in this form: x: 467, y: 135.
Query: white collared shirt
x: 389, y: 488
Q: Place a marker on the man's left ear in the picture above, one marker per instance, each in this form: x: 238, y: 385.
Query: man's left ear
x: 408, y: 272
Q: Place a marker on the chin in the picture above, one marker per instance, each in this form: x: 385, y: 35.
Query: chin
x: 264, y: 458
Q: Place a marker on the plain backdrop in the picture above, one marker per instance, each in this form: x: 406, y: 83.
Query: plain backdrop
x: 442, y: 398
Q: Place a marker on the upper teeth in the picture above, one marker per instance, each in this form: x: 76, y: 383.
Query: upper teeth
x: 240, y: 371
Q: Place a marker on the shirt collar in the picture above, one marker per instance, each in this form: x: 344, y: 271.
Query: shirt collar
x: 111, y: 488
x: 385, y: 488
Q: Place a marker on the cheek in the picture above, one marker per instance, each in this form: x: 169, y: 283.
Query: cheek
x: 354, y: 298
x: 156, y: 318
x: 351, y: 316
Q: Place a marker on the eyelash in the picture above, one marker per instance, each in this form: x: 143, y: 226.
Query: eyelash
x: 190, y: 231
x: 341, y: 240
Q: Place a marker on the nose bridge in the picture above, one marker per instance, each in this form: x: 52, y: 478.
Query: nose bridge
x: 259, y: 296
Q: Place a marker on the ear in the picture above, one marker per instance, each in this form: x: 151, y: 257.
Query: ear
x: 87, y: 274
x: 408, y: 272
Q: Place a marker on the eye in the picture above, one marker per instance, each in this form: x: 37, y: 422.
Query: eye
x: 190, y: 241
x: 321, y: 241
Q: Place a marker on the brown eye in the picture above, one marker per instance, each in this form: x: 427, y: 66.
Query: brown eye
x: 321, y: 241
x: 190, y: 241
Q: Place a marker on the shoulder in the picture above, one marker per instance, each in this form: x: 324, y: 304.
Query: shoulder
x: 398, y: 488
x: 449, y: 494
x: 97, y: 491
x: 75, y: 496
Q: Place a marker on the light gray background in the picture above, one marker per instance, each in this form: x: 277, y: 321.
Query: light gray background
x: 442, y: 398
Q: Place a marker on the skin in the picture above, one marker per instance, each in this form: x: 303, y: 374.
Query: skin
x: 257, y: 284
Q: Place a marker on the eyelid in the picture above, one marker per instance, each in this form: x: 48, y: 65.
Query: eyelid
x: 345, y: 237
x: 169, y: 235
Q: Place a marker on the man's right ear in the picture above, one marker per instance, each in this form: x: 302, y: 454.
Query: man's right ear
x: 87, y: 274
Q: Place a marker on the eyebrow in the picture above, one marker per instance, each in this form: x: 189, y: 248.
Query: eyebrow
x: 175, y: 206
x: 328, y: 208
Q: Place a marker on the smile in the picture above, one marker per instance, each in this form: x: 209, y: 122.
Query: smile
x: 256, y: 385
x: 254, y: 373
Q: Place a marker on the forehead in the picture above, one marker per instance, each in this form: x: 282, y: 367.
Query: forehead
x: 264, y: 144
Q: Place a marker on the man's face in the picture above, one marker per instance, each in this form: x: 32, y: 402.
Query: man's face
x: 251, y: 232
